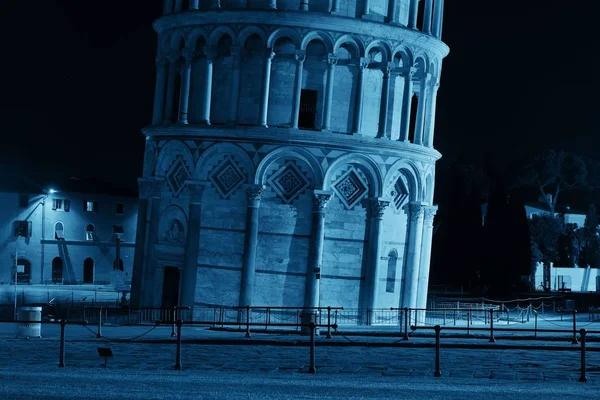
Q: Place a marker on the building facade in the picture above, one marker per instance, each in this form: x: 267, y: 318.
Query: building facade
x: 290, y: 159
x: 62, y: 245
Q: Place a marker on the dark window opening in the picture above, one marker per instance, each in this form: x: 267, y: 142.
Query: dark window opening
x: 414, y: 105
x: 88, y: 270
x: 59, y: 231
x: 89, y: 232
x: 22, y: 228
x: 119, y: 208
x: 90, y: 206
x: 308, y: 109
x: 61, y: 204
x: 23, y: 278
x: 170, y: 292
x: 57, y: 270
x: 120, y: 264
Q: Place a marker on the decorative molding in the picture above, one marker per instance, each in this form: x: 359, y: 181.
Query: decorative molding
x: 321, y: 199
x: 416, y: 211
x: 376, y: 206
x: 254, y: 192
x: 430, y: 212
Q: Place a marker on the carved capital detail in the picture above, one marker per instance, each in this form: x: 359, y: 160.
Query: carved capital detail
x: 300, y: 56
x: 416, y: 211
x: 376, y: 207
x: 321, y: 199
x: 331, y: 60
x: 363, y: 63
x: 430, y: 212
x: 254, y: 192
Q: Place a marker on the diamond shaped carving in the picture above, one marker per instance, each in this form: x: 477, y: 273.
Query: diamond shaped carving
x: 289, y: 182
x: 177, y: 175
x: 400, y: 194
x: 227, y: 177
x: 350, y: 188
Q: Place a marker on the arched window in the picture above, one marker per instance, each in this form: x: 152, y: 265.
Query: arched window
x: 88, y: 270
x: 391, y: 271
x: 120, y: 264
x: 89, y: 232
x: 24, y: 277
x: 59, y: 231
x: 57, y: 270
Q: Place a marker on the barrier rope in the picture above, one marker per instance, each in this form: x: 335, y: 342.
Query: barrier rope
x: 122, y: 340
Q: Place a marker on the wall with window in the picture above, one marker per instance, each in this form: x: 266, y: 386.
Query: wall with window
x: 66, y: 239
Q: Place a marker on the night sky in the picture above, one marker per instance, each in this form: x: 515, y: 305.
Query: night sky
x: 78, y: 82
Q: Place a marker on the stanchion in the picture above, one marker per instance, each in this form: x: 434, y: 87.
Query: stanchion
x: 582, y: 377
x: 312, y: 369
x: 405, y: 324
x: 492, y: 339
x: 247, y: 321
x: 99, y: 333
x: 535, y: 324
x: 437, y: 372
x: 328, y: 323
x: 574, y: 341
x: 468, y: 322
x: 178, y: 351
x: 173, y: 334
x: 61, y: 356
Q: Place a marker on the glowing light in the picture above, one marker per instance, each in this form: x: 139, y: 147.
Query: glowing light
x: 52, y: 191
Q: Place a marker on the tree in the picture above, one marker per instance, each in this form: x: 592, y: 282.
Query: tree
x: 589, y: 237
x: 545, y: 232
x: 554, y: 172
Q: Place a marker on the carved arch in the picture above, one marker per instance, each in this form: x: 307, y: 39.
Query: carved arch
x: 168, y: 153
x: 365, y: 164
x: 290, y: 152
x: 411, y: 172
x: 204, y: 162
x: 321, y: 36
x: 382, y: 46
x: 352, y: 41
x: 221, y: 31
x: 245, y: 33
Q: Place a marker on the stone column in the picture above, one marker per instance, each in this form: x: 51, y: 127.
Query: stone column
x: 167, y: 7
x: 427, y: 11
x: 184, y: 93
x: 360, y: 92
x: 254, y: 193
x: 335, y: 4
x: 273, y: 4
x: 300, y: 57
x: 303, y: 5
x: 366, y: 7
x: 375, y: 210
x: 392, y: 14
x: 315, y: 257
x: 264, y: 104
x: 407, y: 95
x: 170, y: 90
x: 192, y: 244
x: 178, y: 5
x: 438, y: 15
x: 137, y: 275
x: 159, y: 89
x: 425, y: 260
x: 420, y: 120
x: 430, y: 114
x: 207, y: 95
x: 194, y: 4
x: 413, y: 14
x: 331, y: 61
x: 385, y: 101
x: 413, y: 261
x: 235, y: 85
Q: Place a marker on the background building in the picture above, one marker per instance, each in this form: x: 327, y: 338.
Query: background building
x: 290, y: 159
x: 65, y: 244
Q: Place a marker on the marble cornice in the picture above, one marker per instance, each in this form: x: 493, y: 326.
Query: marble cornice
x: 372, y: 30
x: 286, y: 136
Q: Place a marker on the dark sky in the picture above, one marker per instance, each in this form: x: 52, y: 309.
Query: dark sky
x: 78, y: 82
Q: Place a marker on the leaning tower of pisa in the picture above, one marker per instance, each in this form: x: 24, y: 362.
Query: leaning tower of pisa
x: 290, y: 157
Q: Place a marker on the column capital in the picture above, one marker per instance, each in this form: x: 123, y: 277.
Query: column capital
x: 433, y: 85
x: 149, y: 186
x: 363, y: 63
x: 416, y: 211
x: 300, y: 56
x: 208, y: 52
x: 430, y: 212
x: 194, y: 190
x: 376, y: 206
x: 236, y: 52
x: 270, y: 54
x: 331, y: 60
x: 387, y: 68
x: 321, y: 199
x: 254, y: 193
x: 188, y: 53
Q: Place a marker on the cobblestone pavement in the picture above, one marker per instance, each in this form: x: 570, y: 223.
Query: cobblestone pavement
x: 289, y: 355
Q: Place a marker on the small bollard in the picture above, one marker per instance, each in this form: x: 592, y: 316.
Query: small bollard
x: 99, y: 333
x: 178, y: 351
x: 312, y: 369
x: 328, y: 323
x: 492, y: 339
x: 61, y: 357
x: 574, y: 341
x: 405, y: 324
x: 173, y: 334
x: 437, y: 372
x: 468, y: 322
x: 535, y: 325
x: 247, y: 321
x: 582, y: 377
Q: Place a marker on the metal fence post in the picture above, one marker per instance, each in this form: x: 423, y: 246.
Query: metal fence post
x: 247, y: 321
x: 405, y: 324
x: 535, y: 326
x: 178, y: 351
x: 574, y: 328
x: 437, y: 372
x: 99, y: 333
x: 582, y: 377
x: 61, y: 357
x: 492, y: 339
x: 173, y: 334
x: 328, y: 323
x: 469, y: 322
x: 311, y: 369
